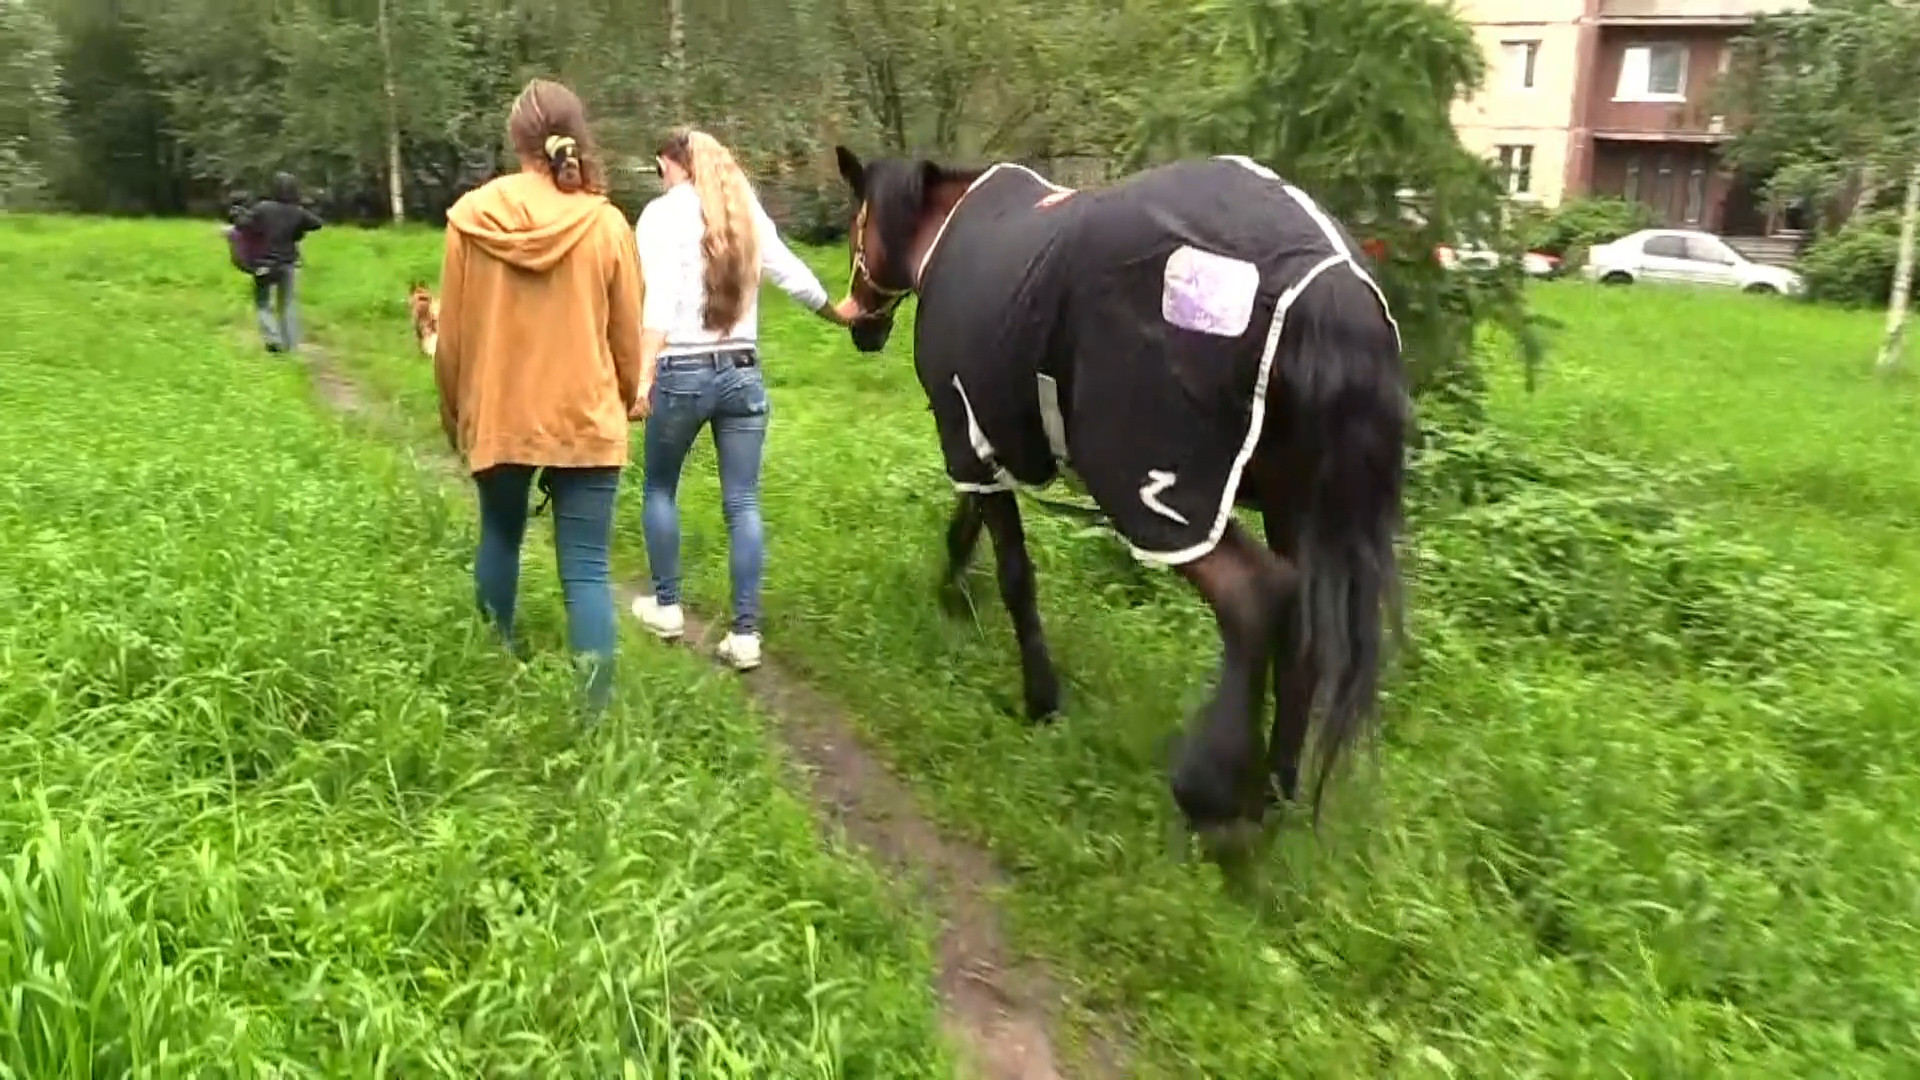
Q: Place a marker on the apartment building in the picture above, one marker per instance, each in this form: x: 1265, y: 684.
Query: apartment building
x: 1613, y: 97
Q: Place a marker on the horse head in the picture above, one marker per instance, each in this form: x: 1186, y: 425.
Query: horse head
x: 898, y: 206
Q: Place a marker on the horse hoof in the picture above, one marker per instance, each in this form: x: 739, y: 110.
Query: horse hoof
x: 1270, y: 806
x: 1043, y: 701
x: 1206, y: 797
x: 1044, y: 711
x: 954, y: 599
x: 1229, y: 844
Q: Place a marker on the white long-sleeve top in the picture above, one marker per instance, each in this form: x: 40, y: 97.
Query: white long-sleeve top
x: 668, y: 235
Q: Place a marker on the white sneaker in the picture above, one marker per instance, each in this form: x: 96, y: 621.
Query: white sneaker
x: 666, y: 621
x: 741, y: 650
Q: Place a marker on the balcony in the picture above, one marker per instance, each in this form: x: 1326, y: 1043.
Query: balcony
x: 1691, y: 12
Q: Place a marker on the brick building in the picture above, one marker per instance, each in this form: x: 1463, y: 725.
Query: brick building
x: 1614, y: 97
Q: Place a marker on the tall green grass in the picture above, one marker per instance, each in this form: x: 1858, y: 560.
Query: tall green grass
x: 272, y: 803
x: 1647, y: 803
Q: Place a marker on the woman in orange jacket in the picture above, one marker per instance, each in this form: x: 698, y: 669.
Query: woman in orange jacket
x: 539, y: 364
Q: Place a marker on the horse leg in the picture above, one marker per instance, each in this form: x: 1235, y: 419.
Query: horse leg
x: 1294, y: 675
x: 1015, y: 571
x: 1217, y: 778
x: 963, y: 535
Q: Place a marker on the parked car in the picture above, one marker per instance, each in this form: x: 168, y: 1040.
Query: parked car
x: 1475, y: 257
x: 1688, y: 256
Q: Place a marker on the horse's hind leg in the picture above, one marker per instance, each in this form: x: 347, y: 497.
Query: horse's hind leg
x: 963, y: 535
x: 1218, y: 776
x: 1294, y: 675
x: 1015, y: 571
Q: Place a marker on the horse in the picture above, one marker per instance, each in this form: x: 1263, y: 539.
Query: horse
x: 1198, y: 337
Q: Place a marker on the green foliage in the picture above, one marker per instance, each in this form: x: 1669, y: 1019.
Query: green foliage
x: 1350, y: 99
x: 125, y: 156
x: 1854, y: 266
x: 1810, y: 94
x: 273, y: 804
x: 1598, y: 553
x: 1575, y: 226
x: 1583, y: 851
x: 1646, y: 801
x: 173, y: 103
x: 31, y: 139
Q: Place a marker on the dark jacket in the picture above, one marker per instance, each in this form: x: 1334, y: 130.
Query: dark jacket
x: 280, y: 227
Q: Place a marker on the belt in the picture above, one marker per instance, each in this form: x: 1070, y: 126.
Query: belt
x: 713, y: 358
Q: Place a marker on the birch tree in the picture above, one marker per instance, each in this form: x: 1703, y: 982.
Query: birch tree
x: 1821, y: 101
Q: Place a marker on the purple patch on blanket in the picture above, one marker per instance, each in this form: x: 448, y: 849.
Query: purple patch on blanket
x: 1208, y: 293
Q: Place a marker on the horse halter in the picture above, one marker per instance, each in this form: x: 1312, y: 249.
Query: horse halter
x: 860, y: 273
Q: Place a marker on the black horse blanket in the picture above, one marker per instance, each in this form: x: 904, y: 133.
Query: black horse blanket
x: 1127, y: 334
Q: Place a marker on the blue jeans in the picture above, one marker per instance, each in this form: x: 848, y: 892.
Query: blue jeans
x: 274, y: 289
x: 582, y: 539
x: 689, y: 392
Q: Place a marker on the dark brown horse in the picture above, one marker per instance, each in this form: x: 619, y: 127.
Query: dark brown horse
x: 1197, y: 337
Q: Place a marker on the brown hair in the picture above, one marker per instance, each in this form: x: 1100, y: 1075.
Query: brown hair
x: 730, y: 246
x: 549, y: 124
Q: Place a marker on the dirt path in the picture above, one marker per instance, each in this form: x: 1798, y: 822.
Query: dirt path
x: 999, y: 1009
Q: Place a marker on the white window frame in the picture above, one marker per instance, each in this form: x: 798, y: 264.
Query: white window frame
x: 1510, y: 156
x: 1636, y: 73
x: 1520, y: 65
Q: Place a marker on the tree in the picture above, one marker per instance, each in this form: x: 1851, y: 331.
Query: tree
x: 31, y: 135
x: 1821, y: 101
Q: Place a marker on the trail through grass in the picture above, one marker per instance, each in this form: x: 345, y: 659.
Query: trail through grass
x: 272, y: 804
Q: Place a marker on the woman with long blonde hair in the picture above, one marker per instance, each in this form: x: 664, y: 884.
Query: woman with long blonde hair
x: 704, y: 245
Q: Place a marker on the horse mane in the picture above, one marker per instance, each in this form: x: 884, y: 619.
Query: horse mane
x: 896, y: 195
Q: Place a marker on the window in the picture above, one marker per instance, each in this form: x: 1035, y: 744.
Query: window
x: 1706, y: 249
x: 1653, y: 73
x: 1666, y: 247
x: 1516, y: 162
x: 1518, y: 60
x: 1631, y: 189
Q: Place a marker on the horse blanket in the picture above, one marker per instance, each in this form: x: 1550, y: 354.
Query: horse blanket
x: 1126, y: 334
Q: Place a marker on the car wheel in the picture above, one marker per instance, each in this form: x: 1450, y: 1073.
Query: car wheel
x: 1761, y: 288
x: 1617, y: 277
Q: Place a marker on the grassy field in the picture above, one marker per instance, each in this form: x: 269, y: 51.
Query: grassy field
x: 1648, y: 804
x: 271, y: 805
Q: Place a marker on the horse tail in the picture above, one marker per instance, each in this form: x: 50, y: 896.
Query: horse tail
x: 1340, y: 371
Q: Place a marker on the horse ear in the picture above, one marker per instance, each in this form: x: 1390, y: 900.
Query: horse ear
x: 930, y: 175
x: 854, y: 173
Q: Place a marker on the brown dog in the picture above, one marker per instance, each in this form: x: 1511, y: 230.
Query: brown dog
x: 425, y: 311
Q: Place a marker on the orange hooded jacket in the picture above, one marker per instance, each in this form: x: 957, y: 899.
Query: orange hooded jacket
x: 539, y: 351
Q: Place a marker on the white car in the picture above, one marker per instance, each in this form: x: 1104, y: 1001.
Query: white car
x: 1688, y: 256
x: 1476, y: 257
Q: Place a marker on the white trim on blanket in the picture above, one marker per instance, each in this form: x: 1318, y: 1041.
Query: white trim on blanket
x: 1051, y: 420
x: 982, y: 449
x: 934, y: 245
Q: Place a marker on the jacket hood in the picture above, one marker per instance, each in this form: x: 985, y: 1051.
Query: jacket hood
x: 524, y: 220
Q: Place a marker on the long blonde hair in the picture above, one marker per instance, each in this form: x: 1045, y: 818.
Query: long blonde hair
x: 730, y: 246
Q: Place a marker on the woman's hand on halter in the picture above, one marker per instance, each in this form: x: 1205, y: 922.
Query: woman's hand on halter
x: 844, y: 313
